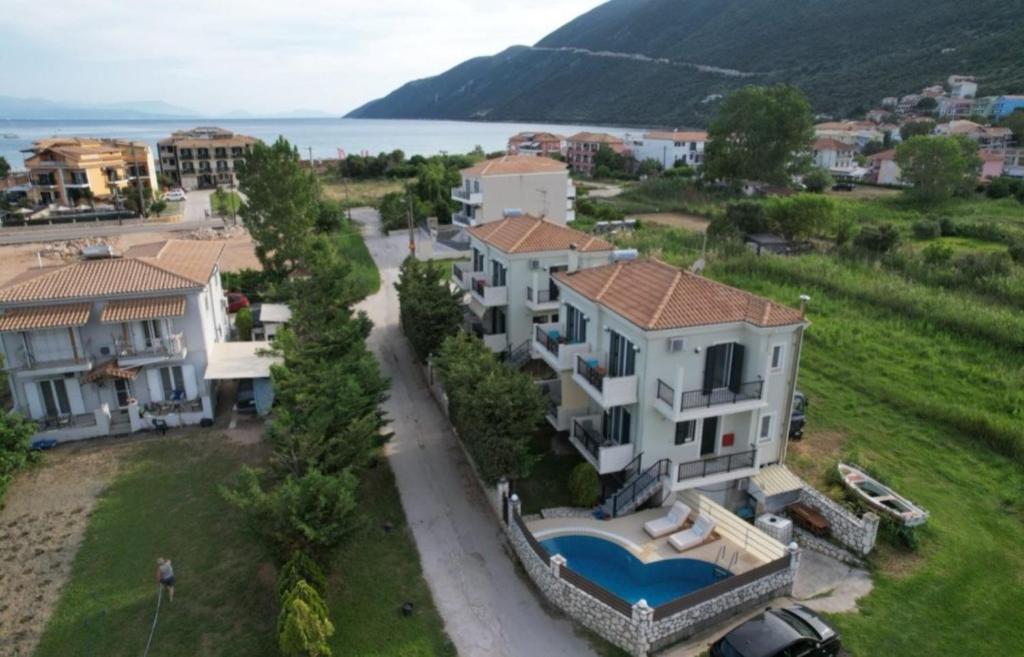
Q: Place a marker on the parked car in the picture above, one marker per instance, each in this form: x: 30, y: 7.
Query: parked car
x: 237, y: 301
x: 798, y: 418
x: 246, y: 398
x: 790, y: 632
x: 843, y: 187
x: 175, y: 195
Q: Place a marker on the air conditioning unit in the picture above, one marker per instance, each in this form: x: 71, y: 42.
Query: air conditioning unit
x: 676, y: 345
x: 534, y: 264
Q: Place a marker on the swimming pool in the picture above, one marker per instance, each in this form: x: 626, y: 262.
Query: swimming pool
x: 616, y: 569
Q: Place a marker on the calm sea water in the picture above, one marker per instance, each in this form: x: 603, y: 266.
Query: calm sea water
x: 324, y: 136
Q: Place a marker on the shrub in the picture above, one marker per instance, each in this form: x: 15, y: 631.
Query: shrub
x: 898, y: 535
x: 818, y: 180
x: 973, y: 266
x: 15, y: 435
x: 301, y: 567
x: 877, y: 239
x: 1003, y: 186
x: 801, y: 216
x: 1016, y: 251
x: 747, y: 217
x: 303, y: 628
x: 584, y: 485
x: 948, y: 227
x: 937, y: 253
x: 927, y: 229
x: 243, y: 324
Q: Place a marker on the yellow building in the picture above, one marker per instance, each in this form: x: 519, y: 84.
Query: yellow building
x: 203, y: 158
x: 65, y: 170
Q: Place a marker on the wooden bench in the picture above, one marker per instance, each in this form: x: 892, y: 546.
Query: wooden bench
x: 809, y: 519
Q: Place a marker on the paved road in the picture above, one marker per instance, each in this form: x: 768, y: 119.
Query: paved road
x: 194, y: 216
x: 488, y: 608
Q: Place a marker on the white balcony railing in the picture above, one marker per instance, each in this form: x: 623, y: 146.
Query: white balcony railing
x: 168, y: 347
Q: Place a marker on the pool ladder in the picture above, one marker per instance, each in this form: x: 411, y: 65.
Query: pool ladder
x: 721, y: 557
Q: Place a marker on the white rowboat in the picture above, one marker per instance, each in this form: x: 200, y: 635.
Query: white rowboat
x: 882, y: 498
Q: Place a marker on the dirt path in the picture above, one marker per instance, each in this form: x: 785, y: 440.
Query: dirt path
x: 41, y: 527
x: 691, y: 222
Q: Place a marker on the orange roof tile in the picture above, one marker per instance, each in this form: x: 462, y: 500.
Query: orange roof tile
x: 826, y: 144
x: 526, y: 234
x: 656, y: 296
x: 507, y: 165
x: 598, y: 137
x: 131, y: 310
x: 678, y: 135
x: 44, y: 317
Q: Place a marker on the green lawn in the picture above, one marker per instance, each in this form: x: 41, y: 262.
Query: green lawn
x: 547, y: 486
x: 360, y: 193
x: 166, y: 503
x: 353, y: 248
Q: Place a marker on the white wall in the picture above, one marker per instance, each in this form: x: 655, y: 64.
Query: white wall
x: 538, y: 194
x: 668, y: 152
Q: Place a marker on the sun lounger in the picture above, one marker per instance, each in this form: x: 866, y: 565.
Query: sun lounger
x: 695, y: 535
x: 670, y: 522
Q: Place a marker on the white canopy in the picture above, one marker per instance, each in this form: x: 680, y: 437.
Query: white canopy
x: 240, y: 360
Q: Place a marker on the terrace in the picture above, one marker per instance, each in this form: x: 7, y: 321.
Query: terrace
x: 690, y: 404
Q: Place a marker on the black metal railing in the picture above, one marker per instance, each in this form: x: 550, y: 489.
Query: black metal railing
x: 457, y: 272
x: 667, y: 393
x: 546, y: 341
x: 703, y: 398
x: 538, y: 549
x: 597, y: 591
x: 540, y: 296
x: 636, y: 486
x: 718, y: 588
x: 479, y: 286
x: 716, y: 465
x: 591, y: 374
x: 590, y: 438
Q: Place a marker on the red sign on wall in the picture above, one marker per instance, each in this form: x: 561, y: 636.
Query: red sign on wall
x: 728, y: 439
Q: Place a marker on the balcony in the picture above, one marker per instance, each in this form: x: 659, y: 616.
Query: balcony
x: 591, y: 374
x: 604, y: 454
x: 570, y: 190
x: 496, y: 342
x: 462, y: 274
x: 552, y: 346
x: 708, y: 470
x: 700, y: 403
x: 150, y: 351
x: 461, y: 219
x: 542, y: 298
x: 489, y: 295
x: 51, y: 363
x: 463, y: 195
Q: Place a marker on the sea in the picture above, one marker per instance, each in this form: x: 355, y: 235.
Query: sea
x: 326, y: 137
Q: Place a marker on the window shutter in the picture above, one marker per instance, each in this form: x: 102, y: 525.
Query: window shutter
x: 736, y: 375
x: 709, y: 368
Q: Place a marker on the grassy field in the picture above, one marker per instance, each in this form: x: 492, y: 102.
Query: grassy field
x: 166, y: 503
x: 921, y: 384
x: 364, y: 269
x: 359, y: 193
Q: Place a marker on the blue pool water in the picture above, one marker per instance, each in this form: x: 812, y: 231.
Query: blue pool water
x: 617, y: 570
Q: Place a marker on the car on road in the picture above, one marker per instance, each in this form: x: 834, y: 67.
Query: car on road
x: 237, y: 301
x: 175, y: 195
x: 789, y: 632
x: 843, y: 187
x: 798, y: 418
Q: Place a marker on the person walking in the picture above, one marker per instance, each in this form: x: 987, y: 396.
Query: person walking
x: 165, y: 575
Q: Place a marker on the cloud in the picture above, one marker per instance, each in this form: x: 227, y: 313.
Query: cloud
x: 220, y: 55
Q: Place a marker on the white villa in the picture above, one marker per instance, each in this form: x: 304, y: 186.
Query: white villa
x: 668, y: 148
x: 834, y: 156
x: 107, y: 346
x: 509, y: 280
x: 660, y: 365
x: 515, y: 184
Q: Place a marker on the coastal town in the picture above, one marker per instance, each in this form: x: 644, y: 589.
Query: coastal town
x: 743, y: 389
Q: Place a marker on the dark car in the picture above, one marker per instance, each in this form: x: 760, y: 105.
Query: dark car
x: 246, y: 399
x: 798, y: 418
x: 843, y: 187
x: 791, y: 632
x: 237, y: 301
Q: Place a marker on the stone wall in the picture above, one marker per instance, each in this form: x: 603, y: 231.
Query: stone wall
x: 809, y: 541
x: 858, y: 534
x: 566, y: 512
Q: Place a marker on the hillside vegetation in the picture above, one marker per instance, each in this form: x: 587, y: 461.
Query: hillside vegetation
x: 644, y: 61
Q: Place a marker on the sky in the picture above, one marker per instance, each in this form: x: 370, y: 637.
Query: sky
x: 216, y: 56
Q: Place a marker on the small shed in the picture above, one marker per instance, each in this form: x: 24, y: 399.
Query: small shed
x: 245, y: 360
x: 762, y: 243
x: 267, y: 318
x: 775, y: 487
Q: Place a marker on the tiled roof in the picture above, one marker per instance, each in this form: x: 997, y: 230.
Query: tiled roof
x: 177, y: 265
x: 526, y: 234
x: 45, y: 317
x: 110, y: 370
x: 535, y: 136
x: 883, y: 155
x: 130, y: 310
x: 655, y: 296
x: 599, y: 137
x: 678, y: 135
x: 515, y: 164
x: 827, y: 144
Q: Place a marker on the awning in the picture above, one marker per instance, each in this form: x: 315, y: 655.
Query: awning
x: 45, y: 317
x: 110, y: 370
x: 132, y: 310
x: 240, y: 360
x: 273, y: 313
x: 776, y: 480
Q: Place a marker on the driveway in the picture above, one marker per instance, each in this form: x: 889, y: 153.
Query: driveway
x: 488, y: 607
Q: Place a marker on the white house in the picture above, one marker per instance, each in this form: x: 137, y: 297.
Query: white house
x: 692, y: 377
x: 963, y: 86
x: 668, y: 148
x: 508, y: 281
x: 857, y: 133
x: 108, y: 346
x: 834, y: 156
x: 523, y: 184
x: 884, y: 169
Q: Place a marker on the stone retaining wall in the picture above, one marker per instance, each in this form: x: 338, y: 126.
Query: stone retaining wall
x: 566, y: 512
x: 858, y: 534
x: 809, y: 541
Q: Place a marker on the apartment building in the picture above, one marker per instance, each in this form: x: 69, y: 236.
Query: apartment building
x: 963, y: 86
x: 115, y: 345
x: 581, y: 148
x: 836, y: 157
x: 669, y: 148
x: 515, y: 184
x: 203, y: 158
x: 658, y: 365
x: 986, y: 136
x: 70, y: 170
x: 536, y: 143
x: 509, y: 279
x: 856, y: 133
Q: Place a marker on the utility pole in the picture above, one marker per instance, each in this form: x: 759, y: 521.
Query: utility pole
x: 348, y: 201
x: 138, y: 182
x: 412, y: 236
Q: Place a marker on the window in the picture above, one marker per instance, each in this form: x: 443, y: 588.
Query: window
x: 723, y: 368
x: 55, y: 397
x: 575, y: 325
x: 173, y: 381
x: 617, y: 425
x: 764, y: 432
x: 686, y: 432
x: 498, y: 274
x: 152, y: 331
x: 621, y: 356
x: 123, y: 389
x: 777, y: 351
x: 478, y: 260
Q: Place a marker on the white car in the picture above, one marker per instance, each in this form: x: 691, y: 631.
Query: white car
x: 174, y: 195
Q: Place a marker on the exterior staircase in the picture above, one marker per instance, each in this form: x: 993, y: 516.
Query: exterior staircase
x: 517, y: 357
x: 641, y: 486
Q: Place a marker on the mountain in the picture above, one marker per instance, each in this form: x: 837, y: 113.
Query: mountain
x: 667, y: 62
x: 42, y: 109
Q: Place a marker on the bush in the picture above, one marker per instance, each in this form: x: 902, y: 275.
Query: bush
x: 927, y: 229
x: 303, y: 628
x: 1016, y: 252
x: 898, y: 535
x: 818, y: 180
x: 15, y: 435
x: 243, y: 324
x: 584, y: 485
x: 877, y: 239
x: 1003, y: 186
x: 937, y: 253
x: 975, y: 266
x: 301, y: 567
x: 948, y: 227
x: 801, y: 216
x: 747, y: 216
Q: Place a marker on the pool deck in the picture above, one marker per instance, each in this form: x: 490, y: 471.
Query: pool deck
x: 628, y: 531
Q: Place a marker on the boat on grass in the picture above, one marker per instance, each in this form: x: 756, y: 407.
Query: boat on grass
x: 882, y: 498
